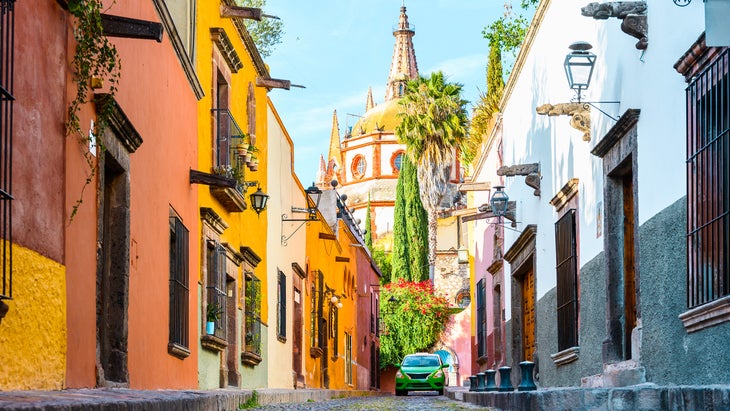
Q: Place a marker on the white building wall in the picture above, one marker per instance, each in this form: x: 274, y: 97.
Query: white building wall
x: 640, y: 80
x: 284, y: 191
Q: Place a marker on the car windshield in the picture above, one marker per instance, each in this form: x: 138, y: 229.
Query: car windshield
x: 421, y: 361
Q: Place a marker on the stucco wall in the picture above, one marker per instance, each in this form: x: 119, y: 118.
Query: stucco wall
x: 592, y: 332
x: 33, y: 332
x: 668, y: 353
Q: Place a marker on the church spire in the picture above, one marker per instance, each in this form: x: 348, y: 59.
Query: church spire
x: 369, y: 104
x: 404, y: 66
x: 335, y: 152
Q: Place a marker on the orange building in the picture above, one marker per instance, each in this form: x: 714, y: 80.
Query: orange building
x: 342, y: 308
x: 129, y: 255
x: 93, y: 232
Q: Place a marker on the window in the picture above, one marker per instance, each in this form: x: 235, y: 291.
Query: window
x: 359, y: 166
x: 397, y: 161
x: 463, y: 299
x: 217, y: 285
x: 708, y: 182
x: 179, y: 290
x: 348, y: 358
x: 481, y: 319
x: 334, y: 319
x: 567, y: 281
x: 281, y: 308
x: 7, y: 25
x: 253, y: 314
x: 316, y: 312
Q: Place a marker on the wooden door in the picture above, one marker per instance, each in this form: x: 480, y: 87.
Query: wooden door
x: 528, y: 314
x: 297, y: 336
x: 630, y: 306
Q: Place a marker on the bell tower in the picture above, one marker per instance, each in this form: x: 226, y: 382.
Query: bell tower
x: 404, y: 66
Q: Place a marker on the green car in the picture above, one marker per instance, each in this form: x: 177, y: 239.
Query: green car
x: 420, y: 372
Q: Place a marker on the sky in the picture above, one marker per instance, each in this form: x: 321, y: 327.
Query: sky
x: 339, y: 48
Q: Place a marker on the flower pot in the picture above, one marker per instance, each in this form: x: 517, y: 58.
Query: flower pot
x: 210, y: 327
x: 247, y: 157
x: 242, y: 149
x: 255, y: 167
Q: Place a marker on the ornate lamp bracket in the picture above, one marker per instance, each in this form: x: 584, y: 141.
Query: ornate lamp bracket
x: 631, y: 13
x: 580, y: 115
x: 531, y: 171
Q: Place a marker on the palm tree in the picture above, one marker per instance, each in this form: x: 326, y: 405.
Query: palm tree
x: 433, y: 128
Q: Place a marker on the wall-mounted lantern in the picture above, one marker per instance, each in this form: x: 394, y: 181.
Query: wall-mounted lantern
x: 579, y: 65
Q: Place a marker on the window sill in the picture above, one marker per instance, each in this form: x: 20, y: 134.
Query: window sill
x: 707, y: 315
x: 178, y: 350
x: 213, y: 343
x: 566, y: 356
x: 250, y: 358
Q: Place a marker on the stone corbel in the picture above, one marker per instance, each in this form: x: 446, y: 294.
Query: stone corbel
x: 531, y: 171
x: 580, y: 115
x: 631, y: 13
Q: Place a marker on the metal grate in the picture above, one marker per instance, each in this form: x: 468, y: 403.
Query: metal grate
x: 567, y: 287
x: 217, y: 285
x: 708, y: 185
x: 179, y: 289
x: 7, y: 51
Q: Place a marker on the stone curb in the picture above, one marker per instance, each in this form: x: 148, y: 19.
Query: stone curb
x: 638, y: 397
x: 160, y: 400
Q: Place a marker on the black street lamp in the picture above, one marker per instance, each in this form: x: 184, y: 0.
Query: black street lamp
x: 498, y: 202
x: 258, y: 200
x: 579, y: 65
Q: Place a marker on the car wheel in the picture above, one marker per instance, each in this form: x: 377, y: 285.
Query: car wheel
x: 441, y: 391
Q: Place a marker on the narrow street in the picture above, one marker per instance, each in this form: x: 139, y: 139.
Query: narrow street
x: 413, y: 402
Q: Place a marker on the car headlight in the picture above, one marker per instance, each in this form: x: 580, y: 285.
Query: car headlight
x: 438, y: 374
x: 398, y: 374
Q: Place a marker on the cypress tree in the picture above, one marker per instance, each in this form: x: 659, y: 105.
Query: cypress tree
x: 400, y: 262
x: 368, y: 228
x: 416, y: 223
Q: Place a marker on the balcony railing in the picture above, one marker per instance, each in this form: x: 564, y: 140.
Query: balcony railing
x: 227, y: 138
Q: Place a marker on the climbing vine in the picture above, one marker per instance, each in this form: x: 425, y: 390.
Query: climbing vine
x: 95, y: 60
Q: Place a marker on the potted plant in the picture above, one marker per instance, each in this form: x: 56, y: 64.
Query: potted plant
x: 242, y: 146
x: 212, y: 315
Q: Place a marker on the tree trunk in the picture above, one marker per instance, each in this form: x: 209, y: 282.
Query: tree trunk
x: 432, y: 225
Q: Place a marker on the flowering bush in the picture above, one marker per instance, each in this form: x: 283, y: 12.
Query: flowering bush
x: 414, y: 318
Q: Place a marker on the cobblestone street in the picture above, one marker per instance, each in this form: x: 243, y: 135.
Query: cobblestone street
x: 413, y: 402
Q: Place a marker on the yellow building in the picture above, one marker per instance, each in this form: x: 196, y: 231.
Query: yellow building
x: 232, y: 164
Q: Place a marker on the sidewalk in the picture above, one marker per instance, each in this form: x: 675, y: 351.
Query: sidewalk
x: 636, y: 397
x: 120, y: 399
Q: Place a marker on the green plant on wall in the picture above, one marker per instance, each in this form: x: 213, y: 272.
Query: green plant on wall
x: 95, y: 57
x: 414, y: 318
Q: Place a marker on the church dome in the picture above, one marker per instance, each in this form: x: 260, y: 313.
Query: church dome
x: 383, y: 117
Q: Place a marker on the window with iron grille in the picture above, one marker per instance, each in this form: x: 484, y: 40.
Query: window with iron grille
x: 567, y: 281
x: 217, y: 285
x: 481, y: 319
x: 316, y: 310
x: 7, y: 26
x: 179, y: 289
x: 281, y: 308
x: 253, y: 314
x: 708, y: 182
